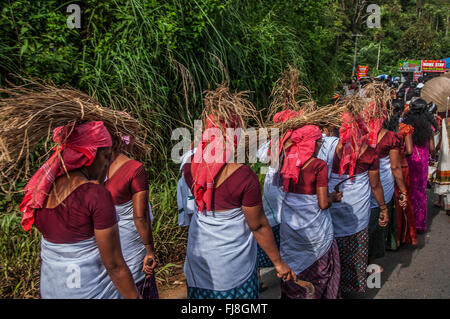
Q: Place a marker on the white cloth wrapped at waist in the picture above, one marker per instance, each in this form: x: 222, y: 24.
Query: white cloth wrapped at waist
x: 273, y: 194
x: 273, y: 197
x: 185, y: 200
x: 306, y: 231
x: 74, y: 271
x: 221, y: 250
x: 133, y: 249
x: 327, y: 151
x: 352, y: 213
x: 387, y: 181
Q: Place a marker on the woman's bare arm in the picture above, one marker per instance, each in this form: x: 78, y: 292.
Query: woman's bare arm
x: 431, y: 147
x: 378, y: 193
x: 396, y: 168
x: 409, y: 145
x: 108, y: 243
x: 141, y: 216
x: 325, y: 199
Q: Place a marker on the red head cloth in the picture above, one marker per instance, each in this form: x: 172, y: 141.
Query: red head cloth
x: 299, y: 152
x: 374, y: 125
x: 212, y: 154
x: 281, y: 117
x: 352, y: 134
x: 77, y: 151
x: 285, y: 115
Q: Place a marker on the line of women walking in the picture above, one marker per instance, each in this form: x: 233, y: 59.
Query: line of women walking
x: 334, y: 213
x: 336, y: 205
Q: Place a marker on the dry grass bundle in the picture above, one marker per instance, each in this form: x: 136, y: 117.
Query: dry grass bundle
x: 327, y: 116
x: 29, y: 113
x: 227, y: 107
x: 289, y: 94
x: 380, y: 95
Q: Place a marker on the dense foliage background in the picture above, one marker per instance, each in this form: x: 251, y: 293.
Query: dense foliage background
x: 155, y: 58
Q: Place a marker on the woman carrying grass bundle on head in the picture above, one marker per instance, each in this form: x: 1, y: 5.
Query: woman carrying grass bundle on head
x: 307, y: 239
x: 405, y: 223
x: 356, y: 166
x: 387, y: 146
x: 221, y: 249
x: 293, y: 99
x: 65, y: 198
x: 127, y: 182
x: 273, y: 195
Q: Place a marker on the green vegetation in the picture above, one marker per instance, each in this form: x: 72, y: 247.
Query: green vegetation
x: 154, y: 59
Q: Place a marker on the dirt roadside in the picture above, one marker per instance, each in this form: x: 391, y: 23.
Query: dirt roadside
x: 176, y: 289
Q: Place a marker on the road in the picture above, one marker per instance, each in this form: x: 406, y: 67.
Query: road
x: 421, y: 272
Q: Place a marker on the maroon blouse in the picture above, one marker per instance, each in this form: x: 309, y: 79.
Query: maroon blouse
x: 241, y: 188
x: 389, y: 141
x: 128, y: 180
x: 312, y: 176
x: 368, y: 161
x: 88, y: 207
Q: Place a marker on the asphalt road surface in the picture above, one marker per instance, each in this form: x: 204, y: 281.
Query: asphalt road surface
x: 420, y: 272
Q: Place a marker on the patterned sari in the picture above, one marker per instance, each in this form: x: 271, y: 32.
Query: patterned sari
x: 418, y: 172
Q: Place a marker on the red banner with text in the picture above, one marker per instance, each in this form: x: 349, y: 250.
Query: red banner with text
x: 363, y: 70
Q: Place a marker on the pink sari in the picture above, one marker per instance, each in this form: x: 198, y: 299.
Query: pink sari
x: 418, y: 171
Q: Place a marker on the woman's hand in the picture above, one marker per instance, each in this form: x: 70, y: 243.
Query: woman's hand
x: 336, y: 196
x: 384, y: 217
x: 284, y: 271
x: 149, y: 264
x: 403, y: 200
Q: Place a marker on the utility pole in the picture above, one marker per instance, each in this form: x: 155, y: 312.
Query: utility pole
x: 354, y: 57
x: 378, y: 59
x: 446, y: 27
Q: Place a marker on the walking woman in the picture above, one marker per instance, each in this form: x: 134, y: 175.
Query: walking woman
x: 307, y: 239
x: 356, y: 166
x: 127, y: 182
x: 387, y: 147
x: 221, y: 251
x: 80, y: 247
x: 423, y: 146
x: 406, y: 224
x: 273, y: 195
